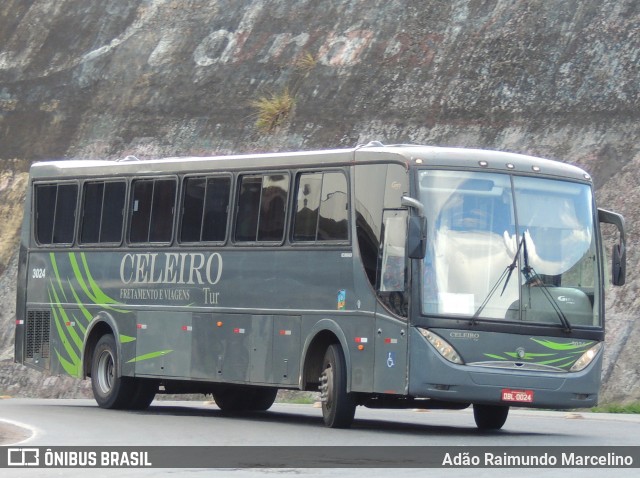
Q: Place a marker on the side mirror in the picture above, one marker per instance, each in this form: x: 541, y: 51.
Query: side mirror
x: 417, y: 230
x: 619, y: 266
x: 417, y: 237
x: 619, y: 255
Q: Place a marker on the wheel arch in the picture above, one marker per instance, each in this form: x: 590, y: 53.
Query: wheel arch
x: 102, y: 324
x: 323, y: 334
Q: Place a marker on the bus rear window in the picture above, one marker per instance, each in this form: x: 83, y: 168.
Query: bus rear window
x: 55, y: 208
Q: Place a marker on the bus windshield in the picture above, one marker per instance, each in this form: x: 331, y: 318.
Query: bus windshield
x: 509, y: 248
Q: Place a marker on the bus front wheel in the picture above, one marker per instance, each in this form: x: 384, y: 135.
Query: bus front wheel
x: 490, y: 417
x: 144, y: 391
x: 338, y: 406
x: 109, y: 390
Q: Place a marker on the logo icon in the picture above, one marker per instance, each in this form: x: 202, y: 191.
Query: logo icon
x: 566, y: 300
x: 391, y: 359
x: 342, y: 299
x: 23, y: 457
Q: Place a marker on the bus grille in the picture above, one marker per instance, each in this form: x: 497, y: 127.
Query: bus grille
x: 38, y: 334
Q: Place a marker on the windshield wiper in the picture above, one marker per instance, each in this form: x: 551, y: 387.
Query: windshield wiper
x: 507, y: 272
x: 531, y: 276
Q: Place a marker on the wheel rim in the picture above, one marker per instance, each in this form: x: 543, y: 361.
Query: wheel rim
x: 105, y: 372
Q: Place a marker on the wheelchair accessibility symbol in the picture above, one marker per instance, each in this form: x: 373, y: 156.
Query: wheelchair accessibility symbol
x: 391, y: 359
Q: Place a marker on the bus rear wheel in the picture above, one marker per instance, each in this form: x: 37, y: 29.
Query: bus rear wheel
x: 262, y: 399
x: 490, y: 417
x: 338, y: 406
x: 109, y: 390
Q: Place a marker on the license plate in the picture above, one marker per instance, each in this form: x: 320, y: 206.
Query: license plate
x: 520, y: 396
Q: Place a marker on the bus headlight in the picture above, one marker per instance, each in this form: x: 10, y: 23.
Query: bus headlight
x: 443, y: 347
x: 586, y: 358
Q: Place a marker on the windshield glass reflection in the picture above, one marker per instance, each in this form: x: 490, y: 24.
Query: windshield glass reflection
x: 497, y: 251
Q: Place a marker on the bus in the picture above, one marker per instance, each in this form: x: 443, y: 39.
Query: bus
x: 384, y: 276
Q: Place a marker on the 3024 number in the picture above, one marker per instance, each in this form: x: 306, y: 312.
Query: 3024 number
x: 38, y: 273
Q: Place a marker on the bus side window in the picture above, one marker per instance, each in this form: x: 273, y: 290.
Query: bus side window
x: 248, y: 208
x: 55, y: 212
x: 192, y: 208
x: 91, y: 212
x: 305, y: 223
x: 321, y: 208
x: 152, y: 208
x: 262, y: 202
x: 113, y: 211
x: 216, y: 209
x: 369, y: 203
x: 102, y: 212
x: 273, y: 207
x: 333, y: 222
x: 205, y: 207
x: 45, y: 201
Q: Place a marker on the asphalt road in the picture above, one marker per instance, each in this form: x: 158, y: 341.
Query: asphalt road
x: 82, y: 423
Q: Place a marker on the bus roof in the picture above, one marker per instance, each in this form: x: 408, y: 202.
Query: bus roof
x: 375, y: 152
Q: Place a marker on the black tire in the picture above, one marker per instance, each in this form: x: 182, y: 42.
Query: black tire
x: 490, y: 417
x: 338, y: 406
x: 228, y: 400
x: 245, y: 399
x: 109, y: 390
x: 262, y: 399
x: 144, y: 391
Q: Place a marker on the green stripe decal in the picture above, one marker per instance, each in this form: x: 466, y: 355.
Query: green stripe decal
x: 70, y: 368
x: 75, y: 359
x: 567, y: 364
x: 560, y: 346
x: 560, y: 355
x: 83, y: 309
x: 95, y: 294
x: 65, y: 318
x: 94, y: 287
x: 73, y: 294
x: 54, y: 265
x: 548, y: 362
x: 148, y: 356
x: 495, y: 357
x: 528, y: 356
x: 79, y: 278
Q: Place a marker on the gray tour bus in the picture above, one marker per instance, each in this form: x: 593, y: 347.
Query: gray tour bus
x: 384, y: 276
